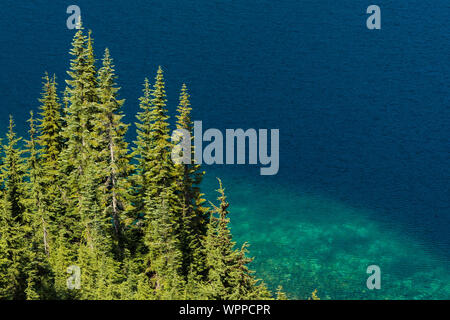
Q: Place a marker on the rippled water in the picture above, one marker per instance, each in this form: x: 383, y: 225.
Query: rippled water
x: 306, y: 242
x: 364, y: 122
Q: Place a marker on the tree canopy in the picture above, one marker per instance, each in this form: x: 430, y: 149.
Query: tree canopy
x: 136, y: 224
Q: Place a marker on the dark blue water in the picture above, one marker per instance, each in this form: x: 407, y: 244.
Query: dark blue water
x: 364, y: 115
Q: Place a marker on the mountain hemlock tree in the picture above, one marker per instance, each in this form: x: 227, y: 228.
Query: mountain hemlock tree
x: 40, y: 277
x: 79, y: 96
x: 160, y: 174
x: 44, y: 165
x: 113, y: 157
x: 161, y: 203
x: 164, y: 254
x: 13, y: 222
x: 194, y: 218
x: 228, y: 275
x: 143, y: 147
x: 80, y: 93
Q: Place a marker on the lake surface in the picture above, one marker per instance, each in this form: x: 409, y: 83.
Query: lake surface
x: 364, y: 120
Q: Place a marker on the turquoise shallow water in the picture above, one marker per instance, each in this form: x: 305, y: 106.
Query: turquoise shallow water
x: 304, y: 241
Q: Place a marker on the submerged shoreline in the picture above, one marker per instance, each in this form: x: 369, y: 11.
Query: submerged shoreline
x: 304, y: 242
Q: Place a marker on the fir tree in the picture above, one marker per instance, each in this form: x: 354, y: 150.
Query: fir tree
x: 164, y: 257
x: 50, y: 125
x: 228, y: 274
x: 193, y: 213
x: 82, y: 107
x: 139, y: 184
x: 46, y: 169
x: 81, y: 220
x: 161, y: 203
x: 13, y: 224
x: 113, y: 158
x: 159, y: 175
x: 40, y: 278
x: 81, y: 141
x: 141, y: 152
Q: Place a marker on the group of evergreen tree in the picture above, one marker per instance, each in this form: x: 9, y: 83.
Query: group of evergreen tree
x: 133, y: 221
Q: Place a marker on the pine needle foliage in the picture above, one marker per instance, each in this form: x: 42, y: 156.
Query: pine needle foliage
x: 74, y: 194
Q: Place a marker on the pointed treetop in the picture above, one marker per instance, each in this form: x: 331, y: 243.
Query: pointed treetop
x: 107, y: 61
x: 146, y: 86
x: 11, y: 124
x: 46, y: 78
x: 159, y: 75
x: 158, y: 91
x: 222, y: 211
x: 90, y: 47
x: 221, y: 190
x: 184, y: 96
x: 79, y: 24
x: 11, y: 134
x: 106, y: 54
x: 31, y: 120
x: 184, y: 110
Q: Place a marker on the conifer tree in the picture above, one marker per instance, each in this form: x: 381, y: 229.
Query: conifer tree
x: 82, y: 106
x: 50, y: 144
x: 94, y: 141
x: 81, y: 142
x: 40, y: 279
x: 95, y: 252
x: 193, y: 213
x: 228, y: 274
x: 141, y: 152
x: 161, y: 203
x: 164, y: 257
x: 81, y: 222
x: 113, y: 158
x: 33, y: 188
x: 13, y: 242
x: 159, y: 176
x: 74, y: 153
x: 50, y: 125
x: 135, y: 218
x: 67, y: 198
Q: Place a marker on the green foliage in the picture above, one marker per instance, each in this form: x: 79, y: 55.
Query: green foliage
x: 228, y: 275
x: 159, y: 176
x: 164, y: 257
x: 40, y: 276
x: 50, y: 125
x: 143, y: 145
x: 280, y: 295
x: 13, y: 223
x: 314, y: 295
x: 44, y: 170
x: 79, y: 138
x: 194, y: 215
x: 135, y: 223
x: 113, y: 159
